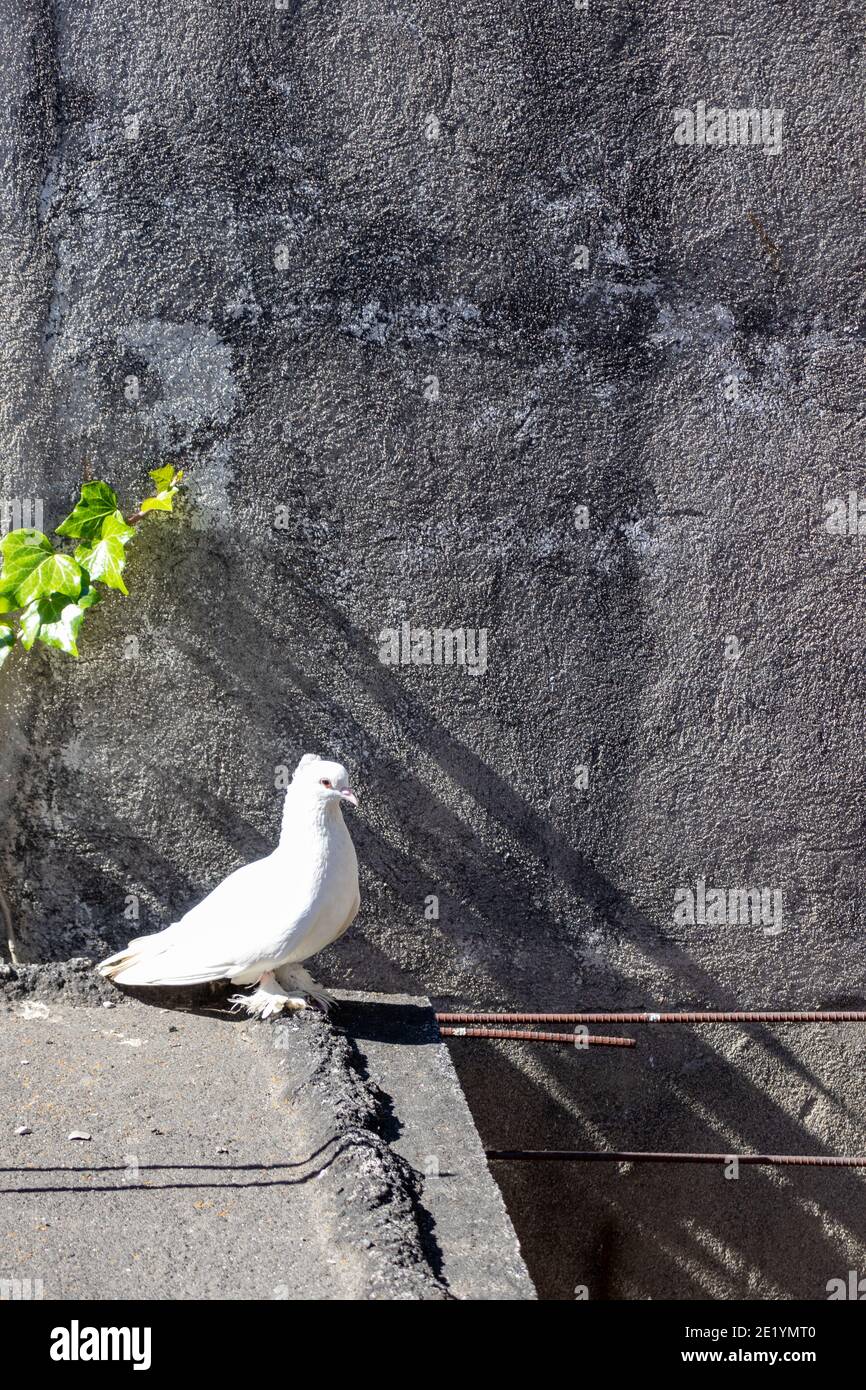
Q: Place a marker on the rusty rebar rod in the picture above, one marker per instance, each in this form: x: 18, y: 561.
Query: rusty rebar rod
x: 731, y: 1016
x: 599, y: 1156
x: 577, y: 1040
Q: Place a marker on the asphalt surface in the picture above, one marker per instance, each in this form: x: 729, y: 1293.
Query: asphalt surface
x: 184, y: 1188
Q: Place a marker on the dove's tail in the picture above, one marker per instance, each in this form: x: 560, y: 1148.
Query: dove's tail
x: 157, y: 960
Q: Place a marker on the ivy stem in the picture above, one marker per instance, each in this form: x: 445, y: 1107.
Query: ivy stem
x: 10, y: 931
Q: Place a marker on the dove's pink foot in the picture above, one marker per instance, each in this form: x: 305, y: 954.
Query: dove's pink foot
x: 267, y: 998
x: 296, y: 977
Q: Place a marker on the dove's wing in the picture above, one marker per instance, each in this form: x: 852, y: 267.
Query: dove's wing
x: 210, y: 941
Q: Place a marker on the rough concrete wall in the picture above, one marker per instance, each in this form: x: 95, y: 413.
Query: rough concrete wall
x: 338, y: 247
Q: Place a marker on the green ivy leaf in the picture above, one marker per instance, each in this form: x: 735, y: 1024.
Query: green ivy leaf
x: 105, y: 561
x: 166, y: 482
x: 96, y: 504
x: 22, y: 539
x: 7, y: 641
x: 115, y: 526
x: 89, y: 597
x: 54, y: 620
x: 162, y: 502
x: 54, y: 574
x: 162, y: 477
x: 22, y: 550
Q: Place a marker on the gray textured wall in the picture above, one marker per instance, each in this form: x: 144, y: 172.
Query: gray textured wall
x: 285, y: 224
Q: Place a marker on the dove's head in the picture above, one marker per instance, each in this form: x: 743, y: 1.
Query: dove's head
x: 320, y: 781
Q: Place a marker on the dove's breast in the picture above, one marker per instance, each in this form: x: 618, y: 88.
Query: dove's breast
x: 323, y: 897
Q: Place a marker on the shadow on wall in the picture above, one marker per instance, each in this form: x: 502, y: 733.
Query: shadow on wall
x: 648, y: 1233
x: 689, y: 1233
x: 632, y: 1232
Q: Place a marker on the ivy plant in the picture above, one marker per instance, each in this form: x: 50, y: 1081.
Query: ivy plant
x: 46, y: 591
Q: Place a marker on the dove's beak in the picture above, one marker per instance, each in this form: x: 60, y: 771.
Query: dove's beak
x: 348, y: 795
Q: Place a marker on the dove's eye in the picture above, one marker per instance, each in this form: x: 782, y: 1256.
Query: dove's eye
x: 325, y: 782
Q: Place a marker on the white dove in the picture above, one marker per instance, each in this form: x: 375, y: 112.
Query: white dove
x: 267, y: 917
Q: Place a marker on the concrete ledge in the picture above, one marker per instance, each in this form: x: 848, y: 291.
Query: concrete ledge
x: 426, y: 1120
x: 302, y: 1159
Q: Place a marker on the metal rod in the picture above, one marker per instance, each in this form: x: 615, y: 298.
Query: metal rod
x: 578, y: 1040
x: 595, y: 1156
x: 776, y: 1016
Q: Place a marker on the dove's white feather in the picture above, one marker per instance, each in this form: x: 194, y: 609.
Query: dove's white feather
x: 277, y: 911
